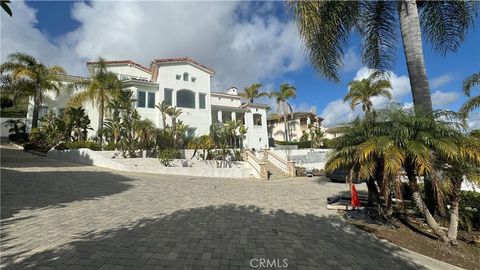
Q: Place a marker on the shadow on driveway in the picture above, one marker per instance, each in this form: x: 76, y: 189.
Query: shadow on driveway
x: 223, y: 237
x: 22, y: 190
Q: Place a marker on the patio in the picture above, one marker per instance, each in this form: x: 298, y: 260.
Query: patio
x: 59, y: 215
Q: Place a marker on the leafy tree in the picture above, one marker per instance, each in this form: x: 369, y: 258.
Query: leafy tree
x: 473, y: 102
x: 251, y: 93
x: 174, y: 113
x: 31, y: 78
x: 76, y: 121
x: 362, y: 91
x: 282, y: 96
x: 101, y: 88
x: 144, y: 129
x: 325, y: 28
x: 165, y: 109
x: 381, y: 146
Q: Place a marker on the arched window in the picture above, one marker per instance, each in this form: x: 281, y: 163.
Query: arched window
x: 186, y: 98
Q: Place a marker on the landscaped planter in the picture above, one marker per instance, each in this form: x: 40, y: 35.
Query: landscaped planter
x: 200, y: 168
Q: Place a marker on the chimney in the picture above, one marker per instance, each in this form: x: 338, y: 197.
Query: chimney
x: 232, y: 91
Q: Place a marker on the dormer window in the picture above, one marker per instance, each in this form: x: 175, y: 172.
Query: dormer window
x: 185, y: 76
x: 194, y: 79
x: 179, y: 76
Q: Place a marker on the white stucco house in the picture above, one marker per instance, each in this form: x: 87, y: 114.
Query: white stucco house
x: 180, y: 82
x: 301, y: 121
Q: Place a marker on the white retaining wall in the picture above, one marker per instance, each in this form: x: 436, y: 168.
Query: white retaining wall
x: 307, y: 158
x: 206, y: 169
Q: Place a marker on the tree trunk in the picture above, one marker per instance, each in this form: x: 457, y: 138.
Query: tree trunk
x: 373, y: 195
x: 285, y: 118
x: 164, y: 118
x: 37, y: 102
x: 412, y: 44
x: 422, y: 100
x: 417, y: 199
x: 453, y: 227
x: 100, y: 120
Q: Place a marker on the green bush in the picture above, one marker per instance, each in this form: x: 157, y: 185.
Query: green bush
x: 167, y: 155
x: 469, y: 210
x: 80, y: 144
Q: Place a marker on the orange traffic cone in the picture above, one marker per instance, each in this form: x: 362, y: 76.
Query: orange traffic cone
x: 355, y: 200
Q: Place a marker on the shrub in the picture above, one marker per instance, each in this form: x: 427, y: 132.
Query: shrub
x: 469, y: 210
x: 80, y: 144
x: 167, y: 155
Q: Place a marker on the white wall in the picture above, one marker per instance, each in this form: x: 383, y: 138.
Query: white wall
x: 220, y: 100
x: 131, y: 70
x: 257, y: 136
x: 196, y: 118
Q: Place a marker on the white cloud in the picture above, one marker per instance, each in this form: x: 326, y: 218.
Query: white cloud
x: 441, y: 80
x: 352, y: 61
x: 304, y: 107
x: 474, y: 120
x: 19, y: 35
x: 241, y: 49
x: 337, y: 112
x: 440, y: 99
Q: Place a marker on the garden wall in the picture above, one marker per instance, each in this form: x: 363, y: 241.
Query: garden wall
x: 103, y: 159
x: 307, y: 158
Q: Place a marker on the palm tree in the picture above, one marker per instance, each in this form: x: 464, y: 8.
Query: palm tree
x: 381, y: 146
x: 286, y: 92
x: 362, y: 91
x: 144, y: 129
x: 251, y: 93
x: 164, y: 109
x: 325, y: 27
x: 34, y: 77
x: 101, y: 88
x: 174, y: 113
x: 473, y: 102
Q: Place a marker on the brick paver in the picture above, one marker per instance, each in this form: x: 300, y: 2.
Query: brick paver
x: 58, y: 215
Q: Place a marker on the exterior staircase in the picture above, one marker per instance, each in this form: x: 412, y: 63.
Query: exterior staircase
x: 274, y: 172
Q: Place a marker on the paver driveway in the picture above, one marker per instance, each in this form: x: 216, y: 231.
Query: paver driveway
x: 57, y: 215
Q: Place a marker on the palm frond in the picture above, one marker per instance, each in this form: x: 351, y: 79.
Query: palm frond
x: 325, y: 28
x: 470, y: 82
x: 445, y: 24
x: 378, y: 28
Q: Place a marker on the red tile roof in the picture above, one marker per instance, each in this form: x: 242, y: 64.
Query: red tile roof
x: 124, y: 62
x: 183, y: 59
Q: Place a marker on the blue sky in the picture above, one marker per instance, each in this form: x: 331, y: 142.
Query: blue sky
x: 244, y: 42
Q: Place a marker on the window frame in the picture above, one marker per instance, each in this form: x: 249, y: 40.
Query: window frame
x: 149, y: 95
x: 144, y: 99
x: 165, y: 90
x: 200, y: 95
x: 180, y: 103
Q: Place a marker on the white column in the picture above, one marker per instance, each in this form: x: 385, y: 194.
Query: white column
x: 219, y: 116
x: 234, y: 116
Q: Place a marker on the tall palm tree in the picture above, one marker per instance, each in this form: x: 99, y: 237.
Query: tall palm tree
x: 282, y: 96
x: 473, y: 102
x: 361, y: 92
x: 102, y: 87
x: 35, y: 78
x: 164, y: 109
x: 251, y: 93
x: 325, y: 27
